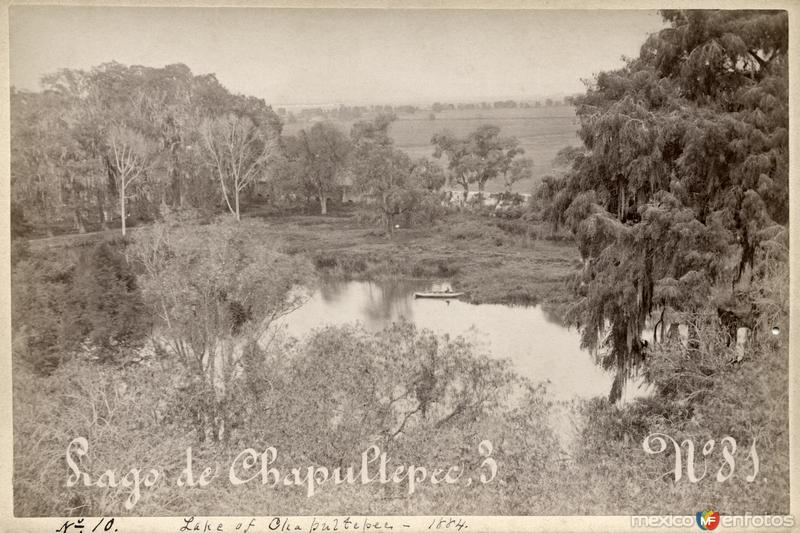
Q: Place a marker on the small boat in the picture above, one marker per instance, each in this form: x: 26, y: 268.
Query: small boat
x: 438, y: 294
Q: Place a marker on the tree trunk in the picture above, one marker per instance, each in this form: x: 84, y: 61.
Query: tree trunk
x: 236, y: 200
x: 742, y: 337
x: 323, y: 203
x: 122, y: 204
x: 673, y: 333
x: 199, y: 424
x: 693, y: 341
x: 177, y: 190
x: 387, y: 216
x: 79, y: 227
x: 101, y: 212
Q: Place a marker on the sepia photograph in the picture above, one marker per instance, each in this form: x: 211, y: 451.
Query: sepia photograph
x: 399, y: 263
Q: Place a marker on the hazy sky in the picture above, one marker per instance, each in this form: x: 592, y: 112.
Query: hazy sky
x: 351, y: 56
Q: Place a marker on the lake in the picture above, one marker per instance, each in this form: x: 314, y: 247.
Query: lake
x: 539, y: 345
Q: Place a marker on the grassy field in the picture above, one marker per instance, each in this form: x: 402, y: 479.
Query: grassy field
x: 542, y: 132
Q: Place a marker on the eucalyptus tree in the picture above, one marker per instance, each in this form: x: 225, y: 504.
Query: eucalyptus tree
x: 94, y: 128
x: 477, y: 158
x: 54, y: 152
x: 65, y: 139
x: 314, y: 160
x: 48, y: 174
x: 684, y: 172
x: 131, y: 154
x: 428, y: 175
x: 383, y: 173
x: 461, y: 163
x: 238, y: 150
x: 168, y: 117
x: 519, y: 169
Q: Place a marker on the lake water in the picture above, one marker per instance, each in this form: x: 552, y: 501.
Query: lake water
x: 539, y: 346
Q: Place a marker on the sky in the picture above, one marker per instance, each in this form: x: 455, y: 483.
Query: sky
x: 349, y: 56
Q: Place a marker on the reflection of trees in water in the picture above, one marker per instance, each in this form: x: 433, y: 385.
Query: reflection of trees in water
x: 388, y: 301
x: 331, y: 290
x: 552, y: 316
x: 528, y: 335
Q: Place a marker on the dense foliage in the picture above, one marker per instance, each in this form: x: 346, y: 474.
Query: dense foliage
x: 321, y: 401
x: 93, y: 141
x: 481, y: 156
x: 314, y: 162
x: 215, y: 292
x: 391, y: 182
x: 682, y: 187
x: 65, y: 304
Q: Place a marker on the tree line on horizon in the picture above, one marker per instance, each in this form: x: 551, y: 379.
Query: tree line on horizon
x: 355, y: 112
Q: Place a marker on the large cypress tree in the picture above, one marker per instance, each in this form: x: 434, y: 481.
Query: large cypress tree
x: 684, y: 173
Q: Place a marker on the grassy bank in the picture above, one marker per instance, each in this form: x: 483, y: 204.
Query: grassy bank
x: 493, y: 261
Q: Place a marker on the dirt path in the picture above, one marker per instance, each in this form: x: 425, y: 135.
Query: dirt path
x: 74, y: 238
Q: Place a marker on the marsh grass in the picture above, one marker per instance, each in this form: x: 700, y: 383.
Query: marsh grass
x: 492, y: 260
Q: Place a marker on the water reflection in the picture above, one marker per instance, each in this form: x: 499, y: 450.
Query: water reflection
x: 551, y: 316
x: 533, y: 338
x: 373, y: 304
x: 388, y: 302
